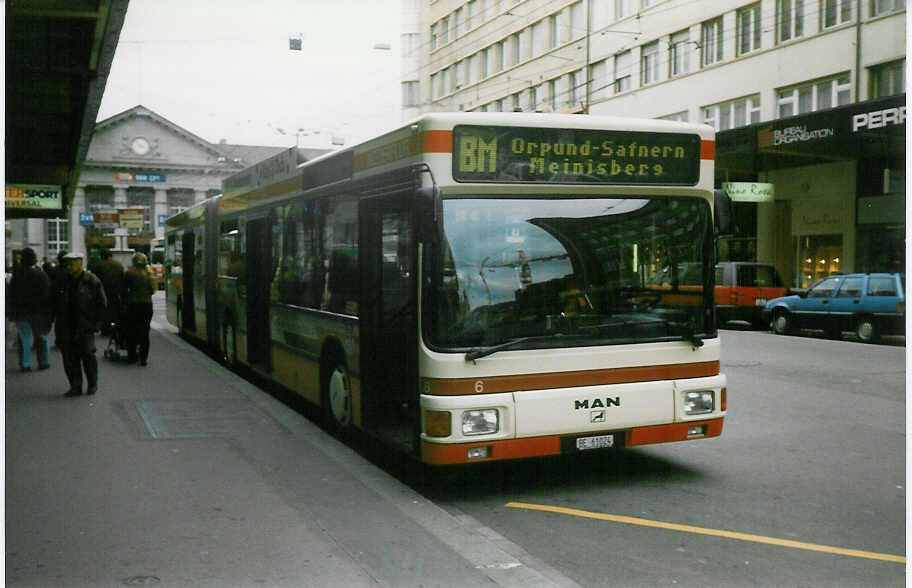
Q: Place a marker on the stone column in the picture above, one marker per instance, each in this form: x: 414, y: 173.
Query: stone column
x: 199, y: 196
x: 77, y: 231
x: 161, y: 207
x: 120, y: 197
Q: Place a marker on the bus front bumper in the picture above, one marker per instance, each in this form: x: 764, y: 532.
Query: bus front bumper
x: 495, y: 450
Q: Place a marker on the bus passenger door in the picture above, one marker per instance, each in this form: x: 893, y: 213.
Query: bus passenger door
x: 188, y: 310
x: 388, y: 320
x: 258, y: 274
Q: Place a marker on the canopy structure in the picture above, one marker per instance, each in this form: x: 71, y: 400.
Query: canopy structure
x: 58, y: 56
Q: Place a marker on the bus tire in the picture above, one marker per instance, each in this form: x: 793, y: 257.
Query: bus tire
x: 229, y: 344
x: 866, y: 329
x: 335, y: 395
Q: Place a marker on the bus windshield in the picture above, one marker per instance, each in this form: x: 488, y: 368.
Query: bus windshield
x: 538, y: 272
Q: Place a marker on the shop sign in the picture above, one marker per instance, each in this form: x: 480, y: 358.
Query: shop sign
x: 34, y: 197
x: 106, y: 220
x: 879, y: 118
x: 86, y: 219
x: 770, y: 137
x: 131, y: 218
x: 131, y: 177
x: 161, y: 219
x: 749, y: 191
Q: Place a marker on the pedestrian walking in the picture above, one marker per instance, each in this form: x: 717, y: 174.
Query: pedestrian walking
x: 29, y: 306
x: 78, y: 307
x: 139, y: 286
x: 111, y: 273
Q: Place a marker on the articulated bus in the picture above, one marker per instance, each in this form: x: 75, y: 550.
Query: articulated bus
x: 472, y: 286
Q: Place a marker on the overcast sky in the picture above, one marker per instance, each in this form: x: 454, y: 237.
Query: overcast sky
x: 222, y: 69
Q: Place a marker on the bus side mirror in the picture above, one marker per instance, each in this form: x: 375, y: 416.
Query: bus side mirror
x: 723, y: 213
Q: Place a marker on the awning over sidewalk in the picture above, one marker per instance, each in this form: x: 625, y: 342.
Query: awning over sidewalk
x: 871, y: 130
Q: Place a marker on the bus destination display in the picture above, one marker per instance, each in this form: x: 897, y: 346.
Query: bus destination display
x: 521, y: 155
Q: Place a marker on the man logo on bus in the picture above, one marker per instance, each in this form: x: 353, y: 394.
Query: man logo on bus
x: 597, y: 403
x: 597, y: 416
x: 477, y: 155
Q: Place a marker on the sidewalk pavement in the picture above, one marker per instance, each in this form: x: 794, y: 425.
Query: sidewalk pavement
x: 181, y: 473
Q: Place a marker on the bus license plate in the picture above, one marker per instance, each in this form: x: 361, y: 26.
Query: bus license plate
x: 597, y: 442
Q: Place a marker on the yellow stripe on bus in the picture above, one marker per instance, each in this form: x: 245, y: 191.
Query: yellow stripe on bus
x: 706, y: 531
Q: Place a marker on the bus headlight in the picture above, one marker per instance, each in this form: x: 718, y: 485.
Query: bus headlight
x: 700, y: 402
x: 480, y: 422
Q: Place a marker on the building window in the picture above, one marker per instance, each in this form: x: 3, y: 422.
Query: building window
x: 598, y: 79
x: 619, y: 9
x: 517, y: 107
x: 879, y: 7
x: 623, y: 63
x: 648, y: 3
x: 410, y: 94
x: 749, y: 29
x: 679, y: 53
x: 58, y: 236
x: 515, y: 47
x: 836, y: 12
x: 538, y: 38
x: 554, y: 40
x: 575, y: 81
x: 712, y: 41
x: 888, y: 79
x: 577, y: 21
x: 790, y: 16
x: 650, y: 63
x: 444, y: 31
x: 682, y: 116
x: 470, y: 15
x: 814, y: 96
x: 435, y: 86
x: 434, y: 36
x: 552, y: 95
x: 458, y: 24
x: 733, y: 114
x: 533, y: 98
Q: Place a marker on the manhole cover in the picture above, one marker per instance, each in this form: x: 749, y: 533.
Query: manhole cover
x: 193, y: 419
x: 141, y: 581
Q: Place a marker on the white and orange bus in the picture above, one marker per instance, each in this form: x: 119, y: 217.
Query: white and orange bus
x: 472, y: 286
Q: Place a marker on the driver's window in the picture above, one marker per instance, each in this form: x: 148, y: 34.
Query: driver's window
x: 824, y: 289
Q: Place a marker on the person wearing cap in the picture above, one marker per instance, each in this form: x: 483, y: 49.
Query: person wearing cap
x: 111, y: 273
x: 78, y: 308
x: 29, y: 293
x: 139, y: 286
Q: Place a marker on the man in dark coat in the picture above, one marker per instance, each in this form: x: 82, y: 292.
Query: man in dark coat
x: 111, y: 273
x: 79, y: 306
x: 29, y: 295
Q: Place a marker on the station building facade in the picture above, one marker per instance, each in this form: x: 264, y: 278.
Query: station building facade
x: 779, y: 80
x: 139, y: 166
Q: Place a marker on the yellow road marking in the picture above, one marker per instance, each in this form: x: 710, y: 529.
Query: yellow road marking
x: 706, y: 531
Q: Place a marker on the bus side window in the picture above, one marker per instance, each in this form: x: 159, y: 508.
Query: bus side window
x: 340, y: 250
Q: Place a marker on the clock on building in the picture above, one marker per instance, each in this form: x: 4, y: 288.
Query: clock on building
x: 140, y: 146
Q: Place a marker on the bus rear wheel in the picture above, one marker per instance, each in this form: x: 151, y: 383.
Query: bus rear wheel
x: 337, y: 397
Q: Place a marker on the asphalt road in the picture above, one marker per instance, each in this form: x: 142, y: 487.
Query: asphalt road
x: 805, y: 487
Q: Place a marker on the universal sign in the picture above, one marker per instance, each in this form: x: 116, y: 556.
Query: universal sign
x: 749, y: 191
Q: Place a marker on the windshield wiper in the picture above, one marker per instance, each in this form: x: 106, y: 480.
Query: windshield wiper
x: 480, y: 352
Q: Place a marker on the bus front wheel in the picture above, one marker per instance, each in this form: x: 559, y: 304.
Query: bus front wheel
x: 337, y: 397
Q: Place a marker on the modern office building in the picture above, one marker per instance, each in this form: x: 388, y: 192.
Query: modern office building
x: 807, y: 96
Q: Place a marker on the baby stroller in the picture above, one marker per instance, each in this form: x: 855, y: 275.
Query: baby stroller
x: 113, y: 327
